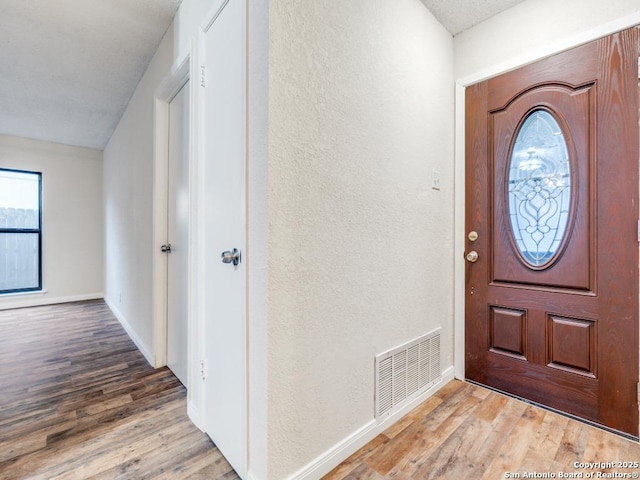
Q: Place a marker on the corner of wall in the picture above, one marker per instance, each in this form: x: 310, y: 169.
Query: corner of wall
x: 323, y: 464
x: 144, y: 348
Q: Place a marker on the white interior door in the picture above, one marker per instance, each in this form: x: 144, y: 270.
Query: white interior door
x: 223, y: 53
x: 177, y: 234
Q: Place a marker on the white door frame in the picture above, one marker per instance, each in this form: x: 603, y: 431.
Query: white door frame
x: 459, y: 162
x: 165, y: 92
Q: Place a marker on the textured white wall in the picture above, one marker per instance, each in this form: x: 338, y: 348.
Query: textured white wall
x: 537, y: 28
x: 128, y: 205
x: 72, y: 218
x: 360, y: 246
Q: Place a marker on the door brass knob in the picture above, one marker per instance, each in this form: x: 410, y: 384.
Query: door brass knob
x: 472, y: 256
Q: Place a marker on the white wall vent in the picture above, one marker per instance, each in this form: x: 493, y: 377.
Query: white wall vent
x: 406, y: 371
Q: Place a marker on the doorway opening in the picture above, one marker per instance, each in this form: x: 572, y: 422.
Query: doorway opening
x: 551, y: 232
x: 172, y: 212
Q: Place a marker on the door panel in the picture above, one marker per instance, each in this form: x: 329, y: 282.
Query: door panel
x: 178, y: 234
x: 572, y: 268
x: 224, y: 141
x: 552, y: 300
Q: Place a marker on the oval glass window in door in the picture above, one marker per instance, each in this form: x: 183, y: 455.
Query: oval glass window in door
x: 539, y: 189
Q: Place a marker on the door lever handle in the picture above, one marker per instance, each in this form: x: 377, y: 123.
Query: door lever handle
x: 232, y: 256
x: 166, y: 248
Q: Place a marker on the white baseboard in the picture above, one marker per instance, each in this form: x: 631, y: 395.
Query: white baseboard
x: 39, y: 299
x: 341, y: 451
x: 194, y: 415
x: 132, y: 334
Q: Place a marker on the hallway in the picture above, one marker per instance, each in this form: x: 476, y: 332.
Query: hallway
x: 79, y: 401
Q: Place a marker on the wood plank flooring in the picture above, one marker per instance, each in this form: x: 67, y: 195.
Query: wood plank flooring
x: 79, y: 401
x: 468, y: 432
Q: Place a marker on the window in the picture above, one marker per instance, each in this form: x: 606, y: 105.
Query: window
x: 539, y: 189
x: 20, y: 231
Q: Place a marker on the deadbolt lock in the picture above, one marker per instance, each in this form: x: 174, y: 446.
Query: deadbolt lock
x: 473, y: 236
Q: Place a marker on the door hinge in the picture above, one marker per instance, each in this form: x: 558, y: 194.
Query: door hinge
x: 638, y: 230
x: 203, y: 71
x: 202, y: 372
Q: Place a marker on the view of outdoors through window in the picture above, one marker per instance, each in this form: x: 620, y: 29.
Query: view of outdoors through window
x: 20, y: 231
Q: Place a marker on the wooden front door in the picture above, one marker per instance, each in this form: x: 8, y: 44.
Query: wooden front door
x: 552, y: 232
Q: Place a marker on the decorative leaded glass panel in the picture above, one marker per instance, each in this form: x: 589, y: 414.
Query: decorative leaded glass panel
x: 539, y: 188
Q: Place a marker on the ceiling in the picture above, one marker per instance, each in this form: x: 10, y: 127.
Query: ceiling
x: 68, y: 68
x: 460, y: 15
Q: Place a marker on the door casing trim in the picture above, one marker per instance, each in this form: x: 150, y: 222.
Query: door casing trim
x: 165, y: 92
